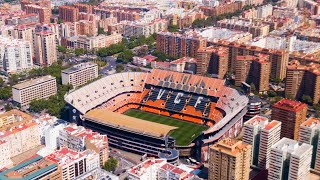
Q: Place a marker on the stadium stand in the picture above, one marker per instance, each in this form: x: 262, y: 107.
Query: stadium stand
x: 187, y: 97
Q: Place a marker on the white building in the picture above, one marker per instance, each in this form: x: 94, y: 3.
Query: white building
x: 261, y: 134
x: 309, y: 133
x: 146, y: 170
x: 144, y: 28
x: 76, y: 165
x: 264, y: 11
x: 40, y: 88
x: 15, y: 55
x: 5, y: 160
x: 290, y: 160
x: 80, y: 74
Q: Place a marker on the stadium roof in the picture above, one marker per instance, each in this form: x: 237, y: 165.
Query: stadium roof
x: 130, y: 123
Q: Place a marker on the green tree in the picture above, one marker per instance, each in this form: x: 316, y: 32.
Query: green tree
x: 1, y: 82
x: 172, y: 28
x: 5, y: 93
x: 119, y: 68
x: 125, y: 56
x: 306, y: 99
x: 253, y: 87
x: 62, y: 49
x: 272, y: 93
x: 8, y: 107
x: 101, y: 30
x: 79, y: 51
x: 111, y: 164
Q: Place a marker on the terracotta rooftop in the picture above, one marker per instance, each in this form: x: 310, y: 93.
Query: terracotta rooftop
x: 289, y: 105
x: 271, y: 125
x: 311, y: 122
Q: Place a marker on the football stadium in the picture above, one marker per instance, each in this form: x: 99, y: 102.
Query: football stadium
x: 161, y: 113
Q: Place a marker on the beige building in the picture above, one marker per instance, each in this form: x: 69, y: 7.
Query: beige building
x: 80, y: 74
x: 89, y: 43
x: 21, y: 138
x: 229, y: 159
x: 5, y: 160
x: 303, y: 80
x: 39, y: 88
x: 45, y: 48
x: 13, y: 116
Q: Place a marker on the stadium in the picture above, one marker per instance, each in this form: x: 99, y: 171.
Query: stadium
x: 162, y: 113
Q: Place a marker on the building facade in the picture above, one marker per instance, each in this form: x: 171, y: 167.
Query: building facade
x: 15, y: 55
x: 45, y: 48
x: 213, y: 60
x: 229, y: 159
x: 289, y: 160
x: 79, y: 74
x: 309, y: 134
x: 291, y: 114
x: 261, y: 135
x: 40, y: 88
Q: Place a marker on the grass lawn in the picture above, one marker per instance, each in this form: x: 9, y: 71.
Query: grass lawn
x: 185, y: 133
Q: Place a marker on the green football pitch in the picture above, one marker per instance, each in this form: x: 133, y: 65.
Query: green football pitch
x: 185, y: 133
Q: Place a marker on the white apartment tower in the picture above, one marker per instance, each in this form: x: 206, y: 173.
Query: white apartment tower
x: 15, y: 55
x: 309, y: 134
x: 290, y: 160
x: 261, y: 134
x: 45, y: 48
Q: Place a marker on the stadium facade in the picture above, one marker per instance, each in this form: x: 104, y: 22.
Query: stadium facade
x: 187, y: 97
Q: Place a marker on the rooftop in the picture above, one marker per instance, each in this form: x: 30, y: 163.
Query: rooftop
x: 15, y: 129
x: 272, y: 125
x: 30, y: 169
x: 311, y: 123
x: 65, y: 156
x: 183, y: 60
x: 33, y: 82
x: 292, y: 147
x: 140, y: 169
x: 289, y: 105
x: 130, y: 123
x: 79, y: 67
x: 230, y: 146
x: 16, y: 113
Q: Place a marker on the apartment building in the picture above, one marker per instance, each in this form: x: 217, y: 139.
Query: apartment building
x: 256, y: 28
x: 303, y: 80
x: 289, y: 160
x: 87, y: 28
x: 229, y: 159
x: 253, y: 69
x: 80, y: 74
x: 157, y: 169
x: 89, y: 43
x: 68, y: 13
x: 261, y: 135
x: 143, y: 61
x: 15, y: 55
x: 23, y: 19
x: 178, y: 45
x: 39, y: 88
x: 24, y: 32
x: 76, y: 165
x: 224, y: 8
x: 278, y: 58
x: 13, y: 116
x: 291, y: 114
x: 122, y: 14
x: 5, y: 160
x: 144, y: 28
x: 45, y: 48
x: 309, y: 134
x: 44, y: 13
x: 21, y: 138
x: 184, y: 64
x: 213, y: 60
x: 79, y: 139
x: 86, y: 8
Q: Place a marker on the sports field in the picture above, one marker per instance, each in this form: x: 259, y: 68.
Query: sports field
x: 185, y: 133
